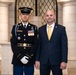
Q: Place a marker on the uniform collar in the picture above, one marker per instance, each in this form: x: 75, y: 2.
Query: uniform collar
x: 25, y: 24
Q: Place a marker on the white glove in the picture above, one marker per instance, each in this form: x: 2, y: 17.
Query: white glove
x: 24, y: 60
x: 26, y: 57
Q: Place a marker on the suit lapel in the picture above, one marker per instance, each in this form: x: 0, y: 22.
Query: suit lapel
x: 53, y: 33
x: 45, y: 32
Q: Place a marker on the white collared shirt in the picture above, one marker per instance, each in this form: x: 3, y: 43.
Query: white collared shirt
x: 25, y: 24
x: 52, y: 28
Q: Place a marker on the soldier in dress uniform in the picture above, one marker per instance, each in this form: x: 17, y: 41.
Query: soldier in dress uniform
x: 24, y: 43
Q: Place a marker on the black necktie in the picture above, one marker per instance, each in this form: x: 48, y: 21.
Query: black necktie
x: 24, y: 26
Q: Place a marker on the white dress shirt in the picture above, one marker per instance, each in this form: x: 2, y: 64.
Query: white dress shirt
x: 25, y: 24
x: 52, y: 27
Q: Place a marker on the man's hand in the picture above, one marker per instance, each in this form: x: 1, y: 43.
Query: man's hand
x: 63, y: 65
x: 24, y: 60
x: 37, y: 64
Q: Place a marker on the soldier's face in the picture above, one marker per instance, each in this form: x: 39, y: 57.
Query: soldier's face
x: 25, y: 17
x: 50, y: 16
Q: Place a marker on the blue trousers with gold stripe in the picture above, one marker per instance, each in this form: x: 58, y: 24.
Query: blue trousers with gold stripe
x: 19, y: 70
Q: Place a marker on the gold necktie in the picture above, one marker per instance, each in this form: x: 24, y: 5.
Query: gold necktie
x: 49, y: 33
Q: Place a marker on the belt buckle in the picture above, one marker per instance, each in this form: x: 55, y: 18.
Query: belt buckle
x: 24, y: 45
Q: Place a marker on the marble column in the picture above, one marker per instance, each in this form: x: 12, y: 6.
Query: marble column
x: 6, y: 56
x: 4, y: 30
x: 69, y: 21
x: 3, y: 22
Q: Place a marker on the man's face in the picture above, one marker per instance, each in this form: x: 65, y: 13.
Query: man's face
x: 50, y: 16
x: 25, y: 17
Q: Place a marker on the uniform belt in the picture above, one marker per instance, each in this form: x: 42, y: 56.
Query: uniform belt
x: 24, y: 45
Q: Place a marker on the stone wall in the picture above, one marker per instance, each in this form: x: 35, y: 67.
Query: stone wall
x: 6, y: 56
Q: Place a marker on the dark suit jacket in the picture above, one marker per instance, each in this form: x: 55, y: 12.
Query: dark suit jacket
x: 55, y: 51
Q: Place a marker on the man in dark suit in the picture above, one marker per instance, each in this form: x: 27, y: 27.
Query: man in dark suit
x: 24, y: 44
x: 53, y: 47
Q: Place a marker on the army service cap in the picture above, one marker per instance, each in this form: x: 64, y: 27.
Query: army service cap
x: 25, y: 10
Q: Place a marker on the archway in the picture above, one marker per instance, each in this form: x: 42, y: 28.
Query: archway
x: 39, y: 8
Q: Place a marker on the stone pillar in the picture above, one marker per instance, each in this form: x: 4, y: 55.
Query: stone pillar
x: 69, y: 21
x: 6, y: 56
x: 3, y: 22
x: 5, y: 68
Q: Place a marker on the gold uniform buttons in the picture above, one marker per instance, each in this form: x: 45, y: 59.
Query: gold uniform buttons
x: 24, y: 39
x: 24, y: 35
x: 18, y: 34
x: 24, y: 47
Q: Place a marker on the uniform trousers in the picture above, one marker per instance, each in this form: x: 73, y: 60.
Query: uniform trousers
x: 23, y: 70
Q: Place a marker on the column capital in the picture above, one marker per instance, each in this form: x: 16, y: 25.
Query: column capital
x: 7, y: 1
x: 63, y: 1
